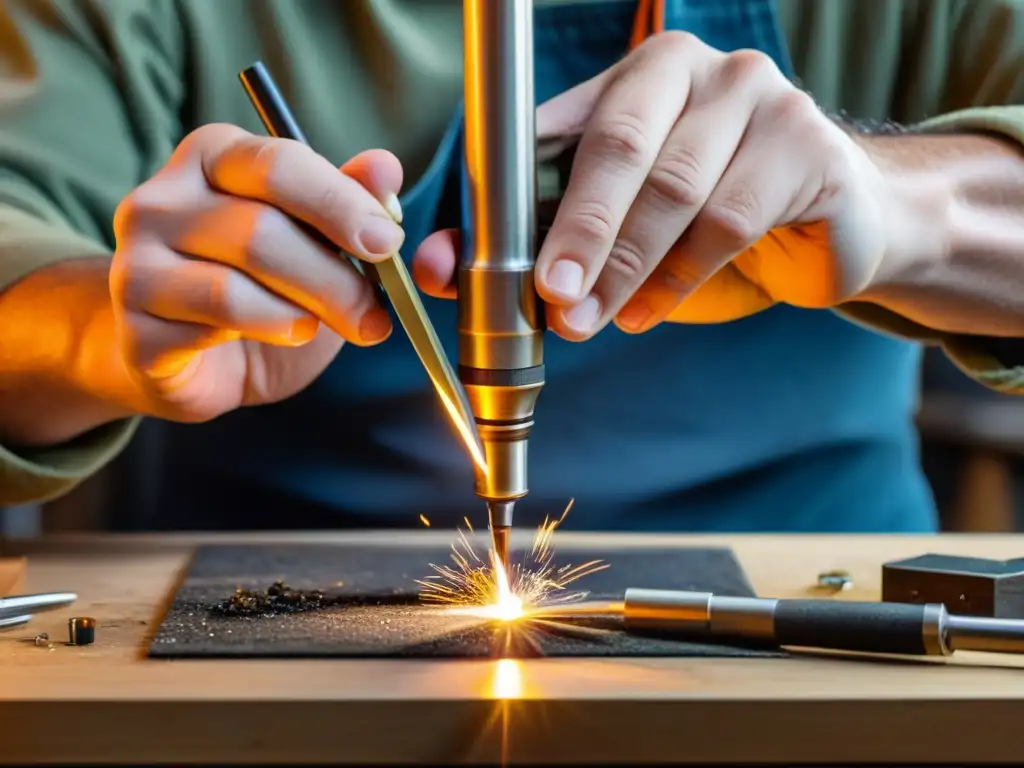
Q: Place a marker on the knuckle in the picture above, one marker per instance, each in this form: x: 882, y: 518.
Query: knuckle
x: 136, y: 211
x: 593, y: 223
x: 622, y: 140
x: 215, y: 134
x: 676, y: 179
x: 345, y: 292
x: 795, y: 107
x: 130, y: 283
x: 127, y: 217
x: 257, y: 250
x: 627, y: 260
x: 746, y: 64
x: 675, y: 40
x: 678, y: 279
x: 268, y: 164
x: 226, y: 297
x: 206, y: 143
x: 734, y: 219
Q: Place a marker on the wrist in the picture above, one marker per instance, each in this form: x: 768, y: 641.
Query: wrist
x: 61, y: 373
x: 953, y: 212
x: 916, y: 207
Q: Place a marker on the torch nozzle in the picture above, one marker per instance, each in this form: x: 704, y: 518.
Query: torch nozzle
x: 500, y: 514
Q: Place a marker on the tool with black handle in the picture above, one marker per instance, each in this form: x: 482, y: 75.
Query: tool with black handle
x: 891, y: 628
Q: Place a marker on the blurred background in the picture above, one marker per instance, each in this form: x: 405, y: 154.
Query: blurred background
x: 972, y: 448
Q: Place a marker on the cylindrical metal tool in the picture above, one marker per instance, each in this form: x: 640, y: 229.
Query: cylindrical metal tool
x: 897, y: 628
x: 10, y: 622
x: 20, y: 605
x: 894, y: 628
x: 501, y: 329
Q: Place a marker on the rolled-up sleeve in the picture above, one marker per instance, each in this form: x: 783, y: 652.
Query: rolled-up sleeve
x: 978, y: 55
x: 91, y: 95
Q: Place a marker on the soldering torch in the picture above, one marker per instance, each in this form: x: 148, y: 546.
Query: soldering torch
x: 501, y: 329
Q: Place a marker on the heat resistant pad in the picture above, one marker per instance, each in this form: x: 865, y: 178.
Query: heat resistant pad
x: 373, y: 609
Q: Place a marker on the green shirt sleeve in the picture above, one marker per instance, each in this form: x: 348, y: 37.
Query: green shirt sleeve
x: 966, y: 69
x: 91, y: 95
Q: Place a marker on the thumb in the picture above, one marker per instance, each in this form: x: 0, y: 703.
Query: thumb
x: 380, y: 172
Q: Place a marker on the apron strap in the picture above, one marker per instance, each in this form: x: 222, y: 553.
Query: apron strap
x: 649, y: 20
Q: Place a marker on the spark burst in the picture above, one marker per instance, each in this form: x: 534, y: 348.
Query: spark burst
x: 475, y: 586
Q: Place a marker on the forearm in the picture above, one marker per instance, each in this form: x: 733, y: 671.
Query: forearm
x: 60, y: 372
x: 955, y: 211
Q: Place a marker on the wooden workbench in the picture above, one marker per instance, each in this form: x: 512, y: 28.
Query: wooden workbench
x: 108, y: 703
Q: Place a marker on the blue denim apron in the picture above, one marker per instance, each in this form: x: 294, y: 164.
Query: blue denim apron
x: 791, y: 420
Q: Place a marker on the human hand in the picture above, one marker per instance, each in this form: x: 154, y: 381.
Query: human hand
x: 220, y: 298
x: 705, y: 187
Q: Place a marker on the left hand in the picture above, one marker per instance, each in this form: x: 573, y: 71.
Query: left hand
x: 705, y: 187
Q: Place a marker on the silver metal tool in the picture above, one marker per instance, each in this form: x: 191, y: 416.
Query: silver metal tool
x: 391, y: 276
x: 24, y: 605
x: 12, y: 622
x: 501, y: 328
x: 893, y: 628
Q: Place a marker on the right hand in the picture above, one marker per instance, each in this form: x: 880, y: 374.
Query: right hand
x: 220, y: 299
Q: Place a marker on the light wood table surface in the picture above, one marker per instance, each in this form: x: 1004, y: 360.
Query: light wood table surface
x: 108, y: 702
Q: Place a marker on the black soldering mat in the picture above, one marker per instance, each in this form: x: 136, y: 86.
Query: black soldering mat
x: 377, y: 613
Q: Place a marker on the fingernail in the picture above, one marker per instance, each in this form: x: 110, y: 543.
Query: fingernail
x: 375, y: 326
x: 381, y: 237
x: 303, y: 330
x: 634, y: 317
x: 582, y: 317
x: 392, y: 206
x: 566, y: 277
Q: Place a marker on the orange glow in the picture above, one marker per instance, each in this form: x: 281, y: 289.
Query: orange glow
x: 508, y: 679
x: 482, y: 588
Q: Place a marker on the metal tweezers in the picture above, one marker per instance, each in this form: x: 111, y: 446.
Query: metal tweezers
x: 19, y: 609
x: 390, y: 277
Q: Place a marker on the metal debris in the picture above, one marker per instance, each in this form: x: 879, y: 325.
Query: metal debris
x: 835, y: 581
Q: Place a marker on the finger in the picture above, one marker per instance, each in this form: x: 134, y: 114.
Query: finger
x: 761, y: 184
x: 434, y: 263
x: 173, y: 287
x: 381, y: 175
x: 163, y: 350
x: 565, y: 116
x: 694, y: 157
x: 622, y: 138
x: 292, y: 177
x: 269, y: 247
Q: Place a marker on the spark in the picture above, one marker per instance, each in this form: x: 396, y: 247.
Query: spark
x: 471, y: 585
x: 425, y: 520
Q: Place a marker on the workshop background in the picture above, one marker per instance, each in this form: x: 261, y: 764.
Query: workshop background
x: 972, y: 444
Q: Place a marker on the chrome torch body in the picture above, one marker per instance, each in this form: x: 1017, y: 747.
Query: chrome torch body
x: 501, y: 329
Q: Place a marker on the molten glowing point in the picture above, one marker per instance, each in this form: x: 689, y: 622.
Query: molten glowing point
x: 425, y: 520
x: 508, y: 680
x: 470, y: 586
x: 508, y: 607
